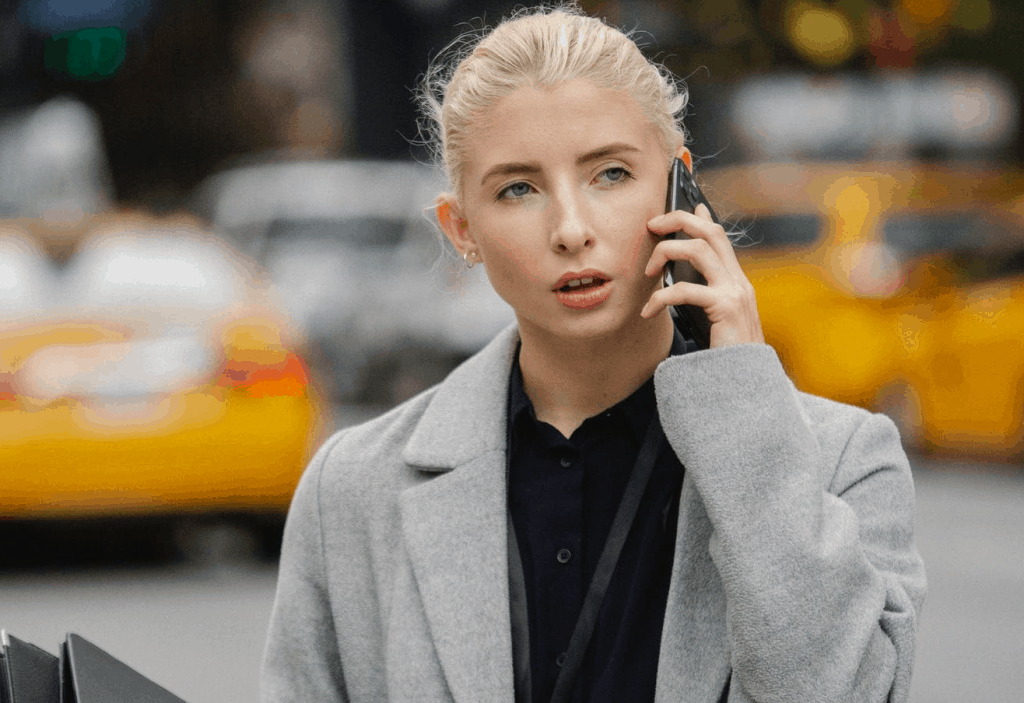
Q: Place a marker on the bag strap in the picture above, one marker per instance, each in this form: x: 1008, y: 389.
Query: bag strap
x: 520, y: 620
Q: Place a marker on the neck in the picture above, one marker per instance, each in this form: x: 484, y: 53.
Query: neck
x: 569, y: 380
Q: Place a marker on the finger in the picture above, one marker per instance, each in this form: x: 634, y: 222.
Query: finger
x: 676, y: 220
x: 697, y: 252
x: 678, y: 294
x: 696, y: 226
x: 700, y: 225
x: 715, y: 235
x: 672, y: 222
x: 732, y: 311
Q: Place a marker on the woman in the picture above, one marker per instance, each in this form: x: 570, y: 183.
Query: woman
x: 443, y: 551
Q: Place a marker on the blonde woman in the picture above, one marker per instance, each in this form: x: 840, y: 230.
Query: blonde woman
x: 588, y: 509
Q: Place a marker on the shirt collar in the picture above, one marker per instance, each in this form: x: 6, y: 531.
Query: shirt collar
x: 636, y: 408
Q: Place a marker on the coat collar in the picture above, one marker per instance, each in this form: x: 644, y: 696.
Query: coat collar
x: 466, y: 416
x: 455, y: 528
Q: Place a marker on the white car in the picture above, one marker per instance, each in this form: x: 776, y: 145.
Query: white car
x: 352, y: 250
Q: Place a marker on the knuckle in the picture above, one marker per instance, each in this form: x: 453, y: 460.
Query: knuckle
x: 672, y: 249
x: 735, y: 298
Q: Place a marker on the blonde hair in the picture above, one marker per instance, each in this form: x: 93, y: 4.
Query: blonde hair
x: 544, y: 46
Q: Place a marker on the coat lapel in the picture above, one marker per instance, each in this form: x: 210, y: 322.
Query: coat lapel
x: 454, y: 525
x: 454, y: 529
x: 694, y: 662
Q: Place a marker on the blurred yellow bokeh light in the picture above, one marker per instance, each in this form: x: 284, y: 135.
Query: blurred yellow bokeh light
x: 823, y: 35
x: 927, y: 12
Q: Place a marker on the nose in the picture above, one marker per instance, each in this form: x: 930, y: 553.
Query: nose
x: 570, y: 228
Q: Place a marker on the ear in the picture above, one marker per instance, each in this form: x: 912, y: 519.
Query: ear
x: 683, y: 153
x: 452, y: 223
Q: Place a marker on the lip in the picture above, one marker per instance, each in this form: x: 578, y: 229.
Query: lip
x: 588, y: 273
x: 586, y: 298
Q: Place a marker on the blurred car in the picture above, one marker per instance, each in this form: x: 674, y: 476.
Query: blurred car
x: 53, y: 172
x: 350, y: 246
x: 153, y: 373
x: 895, y: 286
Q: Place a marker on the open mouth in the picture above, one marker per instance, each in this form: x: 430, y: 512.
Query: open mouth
x: 581, y: 284
x: 584, y: 293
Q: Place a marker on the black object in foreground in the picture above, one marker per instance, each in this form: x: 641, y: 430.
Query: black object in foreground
x: 83, y: 673
x: 684, y: 194
x: 28, y: 674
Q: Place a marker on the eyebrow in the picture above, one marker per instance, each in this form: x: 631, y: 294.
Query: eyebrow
x: 616, y: 148
x: 530, y: 168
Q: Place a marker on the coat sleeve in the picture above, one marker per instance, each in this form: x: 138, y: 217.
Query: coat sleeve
x: 301, y: 660
x: 811, y: 504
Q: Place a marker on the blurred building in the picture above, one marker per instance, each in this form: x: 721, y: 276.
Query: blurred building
x: 176, y: 92
x: 181, y: 88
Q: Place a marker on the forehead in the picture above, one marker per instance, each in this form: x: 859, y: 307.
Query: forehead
x: 548, y: 123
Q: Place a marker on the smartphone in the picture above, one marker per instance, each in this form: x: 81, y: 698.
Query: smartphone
x: 684, y: 194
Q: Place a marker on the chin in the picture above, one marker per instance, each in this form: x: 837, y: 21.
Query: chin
x: 595, y: 325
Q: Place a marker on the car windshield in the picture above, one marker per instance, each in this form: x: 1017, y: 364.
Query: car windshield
x: 929, y: 233
x: 784, y: 230
x: 161, y: 270
x: 978, y: 267
x: 360, y: 232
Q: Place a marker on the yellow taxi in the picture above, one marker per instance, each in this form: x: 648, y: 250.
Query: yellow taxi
x: 153, y: 372
x: 895, y: 286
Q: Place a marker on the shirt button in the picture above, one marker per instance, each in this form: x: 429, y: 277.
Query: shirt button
x: 563, y: 556
x: 560, y: 659
x: 566, y: 462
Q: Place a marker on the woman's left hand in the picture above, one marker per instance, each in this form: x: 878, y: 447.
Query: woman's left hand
x: 728, y: 298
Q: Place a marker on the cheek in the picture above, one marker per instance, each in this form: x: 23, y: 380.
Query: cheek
x: 625, y: 218
x: 639, y: 244
x: 511, y: 267
x: 507, y: 247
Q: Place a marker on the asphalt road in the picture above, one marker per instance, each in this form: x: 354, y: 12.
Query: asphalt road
x: 197, y: 627
x: 970, y: 530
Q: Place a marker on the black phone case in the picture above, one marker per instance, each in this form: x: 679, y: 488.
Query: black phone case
x: 684, y: 194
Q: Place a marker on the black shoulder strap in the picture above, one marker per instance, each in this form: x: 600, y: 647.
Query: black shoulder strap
x: 520, y: 619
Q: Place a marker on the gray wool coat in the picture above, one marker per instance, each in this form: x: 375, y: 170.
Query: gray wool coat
x: 795, y: 578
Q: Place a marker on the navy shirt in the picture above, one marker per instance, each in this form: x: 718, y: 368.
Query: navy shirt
x: 563, y: 495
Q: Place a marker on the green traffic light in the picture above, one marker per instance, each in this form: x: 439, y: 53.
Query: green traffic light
x: 92, y: 53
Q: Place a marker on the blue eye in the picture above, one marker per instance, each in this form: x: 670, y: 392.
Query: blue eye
x: 514, y: 191
x: 615, y: 174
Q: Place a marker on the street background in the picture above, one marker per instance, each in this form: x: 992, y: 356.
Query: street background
x: 197, y: 628
x: 211, y: 229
